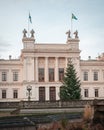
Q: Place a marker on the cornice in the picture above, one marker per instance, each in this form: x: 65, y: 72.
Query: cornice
x: 92, y: 63
x: 41, y: 83
x: 50, y: 51
x: 11, y: 84
x: 92, y: 83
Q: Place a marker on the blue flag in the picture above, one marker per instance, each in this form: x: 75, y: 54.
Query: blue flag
x: 30, y: 19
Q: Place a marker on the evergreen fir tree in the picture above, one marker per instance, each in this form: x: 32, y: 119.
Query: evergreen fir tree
x: 70, y: 90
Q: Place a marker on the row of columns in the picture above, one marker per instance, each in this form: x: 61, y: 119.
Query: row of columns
x: 46, y: 68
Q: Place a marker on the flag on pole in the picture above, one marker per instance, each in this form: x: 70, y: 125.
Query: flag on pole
x: 74, y: 17
x: 30, y: 19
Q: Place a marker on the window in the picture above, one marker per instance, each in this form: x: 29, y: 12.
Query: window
x: 41, y: 94
x: 41, y: 74
x: 95, y: 76
x: 3, y: 93
x: 4, y: 76
x: 61, y: 74
x: 85, y: 92
x: 85, y: 76
x: 52, y: 92
x: 15, y: 93
x: 51, y: 74
x: 96, y: 93
x: 15, y: 76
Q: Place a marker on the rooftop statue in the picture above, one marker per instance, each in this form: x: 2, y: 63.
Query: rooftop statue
x: 76, y: 34
x: 68, y: 33
x: 32, y: 33
x: 24, y: 33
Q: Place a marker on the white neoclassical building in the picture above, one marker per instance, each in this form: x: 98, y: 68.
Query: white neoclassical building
x: 42, y: 67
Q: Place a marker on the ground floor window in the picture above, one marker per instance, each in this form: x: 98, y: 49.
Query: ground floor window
x: 41, y: 94
x: 52, y: 93
x: 96, y: 93
x: 85, y: 92
x: 4, y: 94
x: 15, y: 93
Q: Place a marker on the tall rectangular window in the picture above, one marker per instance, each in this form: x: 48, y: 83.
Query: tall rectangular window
x: 61, y: 74
x: 51, y: 74
x: 85, y: 92
x: 15, y: 76
x: 96, y: 93
x: 41, y: 74
x: 4, y: 76
x: 3, y: 93
x: 41, y: 94
x: 52, y: 93
x: 15, y: 93
x: 85, y: 76
x: 95, y: 75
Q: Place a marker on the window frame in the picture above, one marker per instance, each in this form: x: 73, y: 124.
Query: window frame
x: 95, y: 75
x: 15, y: 93
x: 4, y: 94
x: 61, y: 74
x: 15, y: 75
x: 96, y: 92
x: 41, y: 77
x: 51, y: 73
x: 4, y: 76
x: 42, y: 94
x: 52, y: 93
x: 85, y: 76
x: 86, y: 93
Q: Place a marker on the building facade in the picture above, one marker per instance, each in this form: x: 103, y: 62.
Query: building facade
x: 41, y: 67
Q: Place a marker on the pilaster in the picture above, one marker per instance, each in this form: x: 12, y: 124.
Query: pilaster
x: 36, y: 69
x: 56, y: 69
x: 46, y: 69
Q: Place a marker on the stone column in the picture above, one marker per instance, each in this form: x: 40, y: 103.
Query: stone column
x: 56, y: 69
x: 36, y: 69
x: 57, y: 92
x: 46, y: 69
x: 47, y: 93
x: 66, y: 62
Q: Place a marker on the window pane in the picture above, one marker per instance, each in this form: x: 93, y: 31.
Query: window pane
x: 41, y: 74
x: 15, y: 76
x: 4, y: 76
x: 51, y: 74
x: 85, y: 76
x: 61, y: 74
x: 52, y: 94
x: 96, y: 93
x: 85, y: 92
x: 15, y: 93
x: 41, y: 93
x: 3, y: 93
x: 95, y: 76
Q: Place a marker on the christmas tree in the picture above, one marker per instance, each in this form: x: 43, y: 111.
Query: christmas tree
x: 70, y: 90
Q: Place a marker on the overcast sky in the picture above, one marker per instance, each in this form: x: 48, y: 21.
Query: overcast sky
x: 50, y: 21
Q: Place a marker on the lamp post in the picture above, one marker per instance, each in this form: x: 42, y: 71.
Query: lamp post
x: 29, y: 88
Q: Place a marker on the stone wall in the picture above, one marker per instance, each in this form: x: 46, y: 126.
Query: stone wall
x: 47, y: 104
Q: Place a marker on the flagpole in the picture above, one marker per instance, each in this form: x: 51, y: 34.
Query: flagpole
x: 28, y: 26
x: 71, y: 27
